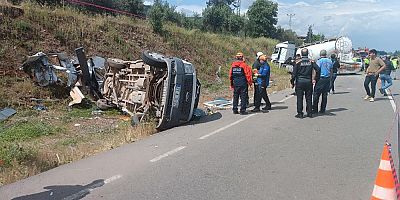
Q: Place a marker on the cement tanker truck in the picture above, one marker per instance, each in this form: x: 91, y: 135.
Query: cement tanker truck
x: 341, y: 46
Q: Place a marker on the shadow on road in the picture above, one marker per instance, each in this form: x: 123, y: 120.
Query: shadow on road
x: 381, y: 98
x: 207, y: 118
x: 279, y: 107
x: 350, y: 74
x: 274, y: 103
x: 341, y: 93
x: 331, y: 112
x: 63, y: 191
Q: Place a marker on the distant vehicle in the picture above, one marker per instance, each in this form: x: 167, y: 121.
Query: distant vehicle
x: 342, y: 46
x: 351, y: 67
x: 163, y: 88
x: 283, y: 51
x: 359, y: 61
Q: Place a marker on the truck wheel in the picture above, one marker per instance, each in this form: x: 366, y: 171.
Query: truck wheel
x: 152, y: 61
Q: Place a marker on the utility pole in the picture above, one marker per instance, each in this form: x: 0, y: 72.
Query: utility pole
x: 290, y: 19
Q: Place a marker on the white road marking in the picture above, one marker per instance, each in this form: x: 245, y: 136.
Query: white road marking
x: 390, y: 97
x: 112, y: 179
x: 223, y: 128
x: 89, y: 188
x: 287, y: 98
x: 167, y: 154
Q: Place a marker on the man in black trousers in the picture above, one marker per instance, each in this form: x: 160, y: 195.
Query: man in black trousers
x: 303, y: 81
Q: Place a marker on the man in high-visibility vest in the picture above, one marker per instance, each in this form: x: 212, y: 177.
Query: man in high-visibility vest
x: 395, y: 63
x: 366, y: 63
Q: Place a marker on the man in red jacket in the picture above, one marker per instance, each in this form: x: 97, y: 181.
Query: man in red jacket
x: 240, y: 78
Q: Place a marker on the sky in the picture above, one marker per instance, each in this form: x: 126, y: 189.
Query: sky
x: 368, y: 23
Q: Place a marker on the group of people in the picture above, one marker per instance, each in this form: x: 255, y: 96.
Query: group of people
x: 313, y: 79
x: 378, y: 69
x: 242, y: 77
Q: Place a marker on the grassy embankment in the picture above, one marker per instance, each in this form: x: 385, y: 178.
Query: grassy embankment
x: 33, y: 141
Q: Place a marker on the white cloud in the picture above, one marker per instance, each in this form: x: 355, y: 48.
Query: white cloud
x: 301, y: 3
x: 148, y: 2
x: 190, y: 9
x: 366, y: 22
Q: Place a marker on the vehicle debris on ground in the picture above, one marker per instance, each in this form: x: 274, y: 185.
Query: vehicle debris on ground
x: 6, y: 113
x: 82, y: 73
x: 218, y: 103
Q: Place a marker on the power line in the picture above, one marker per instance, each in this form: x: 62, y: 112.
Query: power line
x: 290, y: 19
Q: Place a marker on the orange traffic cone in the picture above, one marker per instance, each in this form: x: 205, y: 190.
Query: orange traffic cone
x: 386, y: 183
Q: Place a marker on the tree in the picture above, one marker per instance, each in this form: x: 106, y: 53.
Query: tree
x: 310, y: 38
x: 262, y: 15
x: 235, y: 24
x: 220, y: 2
x: 192, y: 22
x: 216, y: 18
x: 132, y: 6
x: 287, y: 35
x: 319, y: 37
x: 157, y: 17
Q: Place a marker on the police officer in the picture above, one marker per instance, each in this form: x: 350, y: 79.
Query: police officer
x: 302, y: 79
x: 323, y: 86
x: 240, y: 78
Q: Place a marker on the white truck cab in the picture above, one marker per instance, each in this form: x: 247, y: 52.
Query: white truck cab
x: 282, y: 52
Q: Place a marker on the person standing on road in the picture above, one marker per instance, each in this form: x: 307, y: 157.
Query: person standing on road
x: 366, y: 63
x: 336, y: 66
x: 240, y: 79
x: 376, y: 65
x: 256, y: 66
x: 302, y: 80
x: 395, y: 63
x: 263, y: 76
x: 323, y: 86
x: 386, y: 79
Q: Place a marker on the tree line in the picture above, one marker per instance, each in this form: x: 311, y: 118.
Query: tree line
x: 220, y: 16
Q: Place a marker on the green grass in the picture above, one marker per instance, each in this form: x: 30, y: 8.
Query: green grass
x: 70, y: 142
x: 80, y: 113
x: 25, y: 130
x: 14, y: 152
x: 22, y: 25
x: 208, y: 51
x: 11, y: 137
x: 112, y: 112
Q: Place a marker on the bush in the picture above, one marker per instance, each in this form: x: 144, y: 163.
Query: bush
x: 157, y: 17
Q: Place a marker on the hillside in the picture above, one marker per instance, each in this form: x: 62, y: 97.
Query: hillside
x: 34, y: 141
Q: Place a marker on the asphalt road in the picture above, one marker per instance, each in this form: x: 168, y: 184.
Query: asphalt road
x: 260, y: 156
